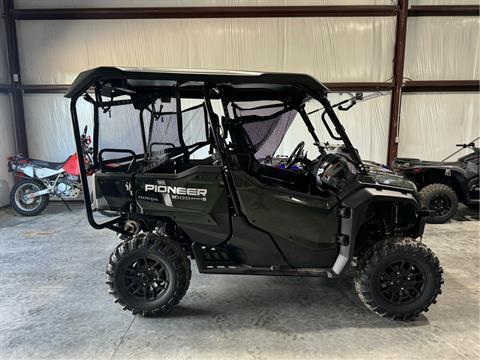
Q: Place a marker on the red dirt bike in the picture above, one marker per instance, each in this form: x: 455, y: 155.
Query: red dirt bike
x: 40, y: 179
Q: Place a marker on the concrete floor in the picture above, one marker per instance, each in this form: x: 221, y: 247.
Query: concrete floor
x: 54, y: 304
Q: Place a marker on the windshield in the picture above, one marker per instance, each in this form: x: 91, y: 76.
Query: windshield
x: 274, y: 129
x: 367, y: 132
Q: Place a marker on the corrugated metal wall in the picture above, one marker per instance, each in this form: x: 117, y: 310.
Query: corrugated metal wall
x: 332, y: 49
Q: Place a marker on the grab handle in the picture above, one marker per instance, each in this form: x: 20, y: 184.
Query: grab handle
x: 101, y: 162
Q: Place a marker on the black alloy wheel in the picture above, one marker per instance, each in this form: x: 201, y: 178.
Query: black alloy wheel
x: 441, y: 200
x: 148, y: 274
x: 402, y: 282
x: 398, y: 278
x: 147, y: 278
x: 440, y: 205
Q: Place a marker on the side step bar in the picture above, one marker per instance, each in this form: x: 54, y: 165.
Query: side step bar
x: 218, y: 261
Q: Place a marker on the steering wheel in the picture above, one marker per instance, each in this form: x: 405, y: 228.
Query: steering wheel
x: 295, y: 155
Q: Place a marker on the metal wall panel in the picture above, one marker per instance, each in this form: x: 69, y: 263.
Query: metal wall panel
x: 432, y: 123
x: 443, y: 48
x: 332, y: 49
x: 49, y: 126
x: 4, y: 78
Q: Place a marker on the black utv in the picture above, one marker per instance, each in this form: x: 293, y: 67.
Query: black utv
x: 186, y: 161
x: 443, y: 184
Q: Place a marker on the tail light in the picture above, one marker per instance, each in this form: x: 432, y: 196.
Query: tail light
x: 417, y: 170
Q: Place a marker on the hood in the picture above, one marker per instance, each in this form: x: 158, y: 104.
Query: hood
x: 394, y: 180
x: 384, y: 177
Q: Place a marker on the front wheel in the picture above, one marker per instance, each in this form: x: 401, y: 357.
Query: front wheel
x: 399, y: 278
x: 28, y: 206
x: 148, y: 274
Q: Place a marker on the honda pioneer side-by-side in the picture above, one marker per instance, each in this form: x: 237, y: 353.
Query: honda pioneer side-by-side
x: 190, y: 161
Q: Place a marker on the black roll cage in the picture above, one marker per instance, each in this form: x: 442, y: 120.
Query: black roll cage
x: 211, y: 90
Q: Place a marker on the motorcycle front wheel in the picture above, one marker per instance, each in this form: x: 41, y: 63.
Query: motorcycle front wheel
x: 31, y: 206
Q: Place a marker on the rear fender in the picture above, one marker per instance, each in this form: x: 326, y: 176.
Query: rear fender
x: 454, y: 177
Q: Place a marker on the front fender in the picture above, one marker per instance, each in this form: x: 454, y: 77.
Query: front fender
x: 355, y: 215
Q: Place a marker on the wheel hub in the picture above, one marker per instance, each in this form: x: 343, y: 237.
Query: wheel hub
x: 440, y: 205
x: 146, y: 278
x: 401, y: 282
x: 22, y: 198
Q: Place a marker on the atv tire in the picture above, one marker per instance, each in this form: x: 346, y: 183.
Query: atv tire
x: 148, y: 274
x: 442, y: 200
x: 22, y: 207
x: 398, y: 278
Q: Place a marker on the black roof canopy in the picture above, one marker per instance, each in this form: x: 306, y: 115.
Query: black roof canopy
x: 236, y: 85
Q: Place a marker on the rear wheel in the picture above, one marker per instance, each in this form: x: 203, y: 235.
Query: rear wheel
x: 28, y: 206
x: 399, y: 278
x: 441, y: 200
x: 148, y: 274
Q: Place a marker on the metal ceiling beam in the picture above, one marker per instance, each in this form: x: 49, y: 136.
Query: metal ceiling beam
x: 441, y: 85
x: 398, y: 65
x: 45, y: 89
x: 359, y: 86
x: 204, y: 12
x: 444, y: 10
x: 240, y: 12
x: 14, y: 71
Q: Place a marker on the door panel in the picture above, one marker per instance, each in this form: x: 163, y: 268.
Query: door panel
x: 195, y: 199
x: 303, y: 226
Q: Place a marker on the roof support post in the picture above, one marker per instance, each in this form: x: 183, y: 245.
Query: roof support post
x: 14, y: 71
x: 398, y: 64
